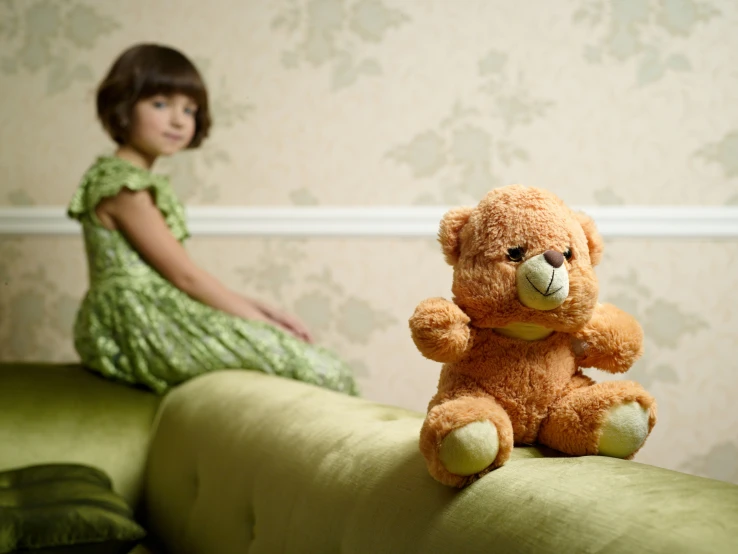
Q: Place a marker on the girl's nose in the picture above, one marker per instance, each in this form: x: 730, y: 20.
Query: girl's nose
x: 177, y: 119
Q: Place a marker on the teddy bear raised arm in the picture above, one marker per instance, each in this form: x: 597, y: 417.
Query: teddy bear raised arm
x: 523, y: 323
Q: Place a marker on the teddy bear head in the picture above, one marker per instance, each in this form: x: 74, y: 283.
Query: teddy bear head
x: 521, y: 256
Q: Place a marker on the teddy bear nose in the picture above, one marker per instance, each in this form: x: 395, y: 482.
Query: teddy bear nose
x: 554, y: 259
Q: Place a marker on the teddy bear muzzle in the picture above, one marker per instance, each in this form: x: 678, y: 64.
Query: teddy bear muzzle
x: 543, y: 281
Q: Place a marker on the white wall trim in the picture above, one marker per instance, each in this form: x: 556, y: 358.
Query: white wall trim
x: 387, y: 221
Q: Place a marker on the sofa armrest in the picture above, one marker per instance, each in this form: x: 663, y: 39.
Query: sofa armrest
x: 242, y: 461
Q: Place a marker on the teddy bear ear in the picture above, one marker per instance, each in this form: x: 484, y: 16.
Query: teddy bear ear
x: 449, y: 232
x: 594, y: 239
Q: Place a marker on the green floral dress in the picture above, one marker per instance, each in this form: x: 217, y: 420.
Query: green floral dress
x: 134, y: 326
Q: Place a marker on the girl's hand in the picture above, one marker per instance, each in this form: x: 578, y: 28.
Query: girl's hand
x: 285, y: 320
x: 248, y: 310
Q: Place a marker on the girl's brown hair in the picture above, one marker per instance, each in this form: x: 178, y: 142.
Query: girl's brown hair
x: 141, y: 72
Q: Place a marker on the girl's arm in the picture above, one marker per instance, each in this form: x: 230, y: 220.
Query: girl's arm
x: 135, y: 214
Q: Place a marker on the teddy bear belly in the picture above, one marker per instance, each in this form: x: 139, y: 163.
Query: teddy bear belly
x: 525, y: 383
x: 528, y: 407
x: 526, y: 417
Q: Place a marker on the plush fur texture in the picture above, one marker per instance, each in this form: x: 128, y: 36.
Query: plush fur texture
x: 530, y: 390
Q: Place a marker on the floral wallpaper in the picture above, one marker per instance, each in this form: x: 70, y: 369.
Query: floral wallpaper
x: 336, y: 34
x: 401, y: 102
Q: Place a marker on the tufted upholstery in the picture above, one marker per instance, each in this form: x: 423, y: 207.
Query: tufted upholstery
x: 242, y: 462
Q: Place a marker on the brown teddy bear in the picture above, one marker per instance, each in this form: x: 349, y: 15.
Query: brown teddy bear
x: 524, y: 321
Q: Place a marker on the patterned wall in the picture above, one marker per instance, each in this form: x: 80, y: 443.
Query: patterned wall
x: 406, y: 102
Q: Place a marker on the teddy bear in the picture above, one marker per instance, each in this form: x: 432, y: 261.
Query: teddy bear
x: 524, y: 321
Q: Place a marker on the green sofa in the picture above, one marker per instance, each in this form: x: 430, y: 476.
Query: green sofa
x: 237, y: 461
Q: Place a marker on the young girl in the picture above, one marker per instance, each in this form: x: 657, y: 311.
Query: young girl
x: 152, y: 317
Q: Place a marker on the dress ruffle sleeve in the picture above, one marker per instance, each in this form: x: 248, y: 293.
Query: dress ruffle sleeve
x: 109, y: 175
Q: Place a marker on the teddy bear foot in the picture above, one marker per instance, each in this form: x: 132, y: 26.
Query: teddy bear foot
x: 624, y: 431
x: 469, y: 449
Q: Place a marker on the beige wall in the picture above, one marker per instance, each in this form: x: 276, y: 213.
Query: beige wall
x: 406, y: 102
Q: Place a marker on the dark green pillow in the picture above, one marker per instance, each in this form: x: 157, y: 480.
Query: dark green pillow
x: 64, y: 508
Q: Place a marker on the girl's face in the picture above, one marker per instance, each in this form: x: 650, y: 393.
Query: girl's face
x: 162, y: 125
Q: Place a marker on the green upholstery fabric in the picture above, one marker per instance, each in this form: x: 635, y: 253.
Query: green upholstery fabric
x: 247, y: 462
x: 64, y: 508
x: 242, y: 462
x: 63, y: 413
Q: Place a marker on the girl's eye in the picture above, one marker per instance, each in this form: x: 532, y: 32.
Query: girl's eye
x: 516, y: 254
x: 190, y: 111
x: 567, y: 253
x: 159, y: 104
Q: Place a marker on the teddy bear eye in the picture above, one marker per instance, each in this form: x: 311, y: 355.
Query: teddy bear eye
x: 567, y: 253
x: 516, y: 254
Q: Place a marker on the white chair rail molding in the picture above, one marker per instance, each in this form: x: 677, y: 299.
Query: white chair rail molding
x: 387, y: 221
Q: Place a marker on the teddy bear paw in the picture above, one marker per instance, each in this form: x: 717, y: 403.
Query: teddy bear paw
x: 469, y: 449
x: 624, y: 431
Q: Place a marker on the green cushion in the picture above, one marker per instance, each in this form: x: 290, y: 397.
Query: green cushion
x: 53, y: 413
x: 67, y: 508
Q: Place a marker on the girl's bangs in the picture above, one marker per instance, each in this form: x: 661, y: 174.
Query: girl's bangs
x: 186, y: 81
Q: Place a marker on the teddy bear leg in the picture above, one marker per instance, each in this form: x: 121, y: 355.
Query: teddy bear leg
x: 609, y: 419
x: 464, y: 438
